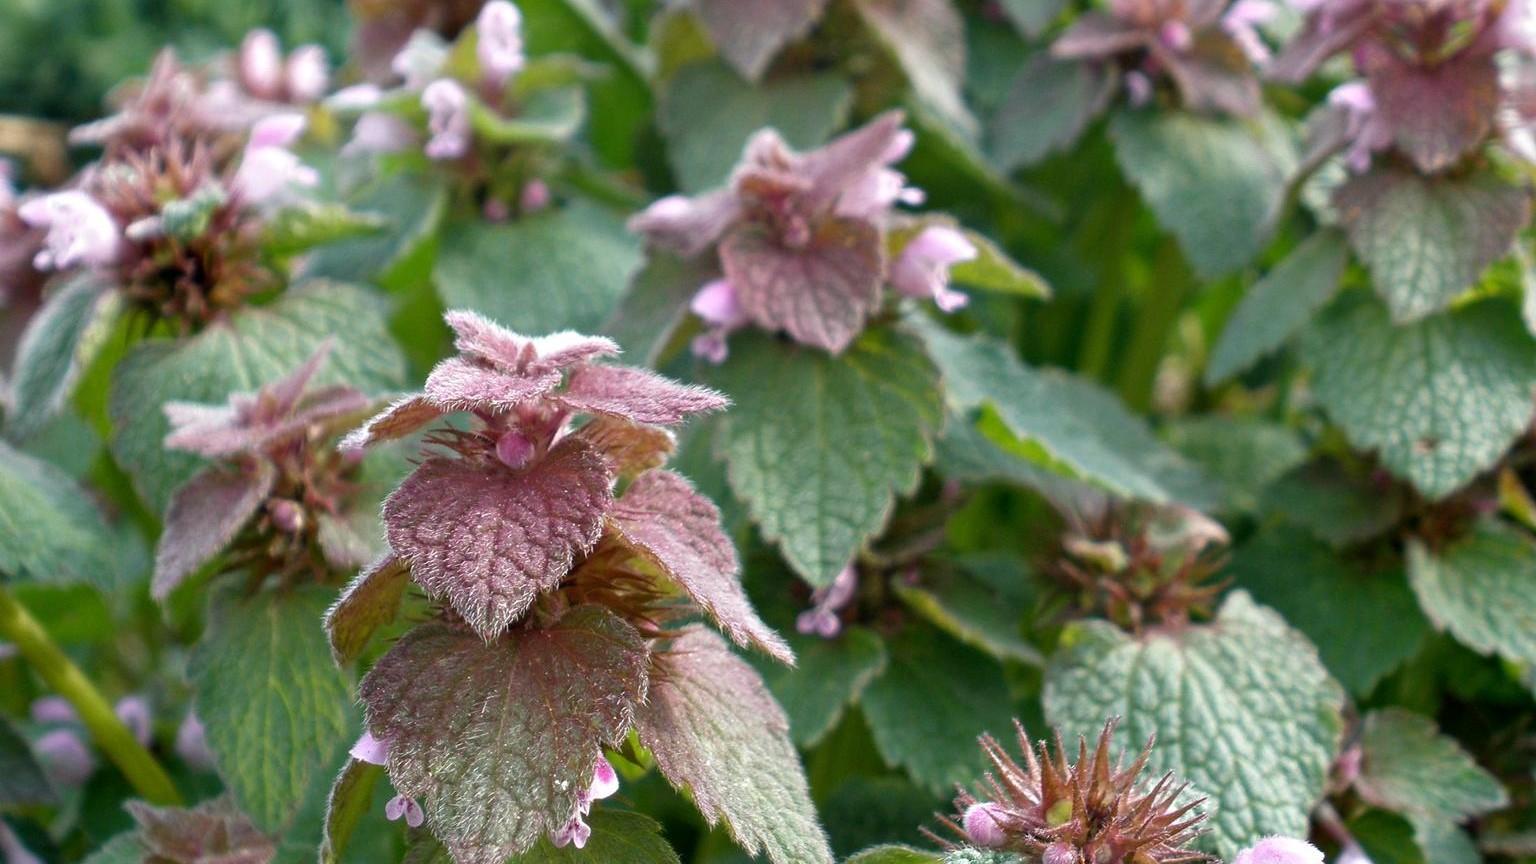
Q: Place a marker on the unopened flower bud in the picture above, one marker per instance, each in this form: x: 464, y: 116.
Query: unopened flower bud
x: 65, y: 758
x: 983, y: 824
x: 1280, y: 850
x: 135, y: 714
x: 535, y: 196
x: 307, y: 73
x: 1060, y: 853
x: 192, y: 743
x: 514, y: 449
x: 287, y: 516
x: 261, y: 64
x: 52, y: 709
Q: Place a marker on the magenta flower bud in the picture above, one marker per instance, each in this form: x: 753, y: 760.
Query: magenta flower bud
x: 535, y: 196
x: 65, y: 757
x: 717, y: 304
x: 447, y: 118
x: 605, y: 781
x: 822, y: 618
x: 922, y: 268
x: 307, y: 73
x: 1176, y: 35
x: 80, y: 231
x: 514, y: 449
x: 261, y: 64
x: 377, y: 132
x: 983, y: 824
x: 287, y: 516
x: 370, y: 749
x: 52, y: 709
x: 1060, y: 853
x: 499, y: 45
x: 192, y: 743
x: 1280, y: 850
x: 401, y: 807
x: 710, y: 346
x: 135, y: 714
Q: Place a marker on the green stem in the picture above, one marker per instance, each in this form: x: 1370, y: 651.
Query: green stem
x: 1106, y: 238
x: 1155, y: 320
x: 19, y: 627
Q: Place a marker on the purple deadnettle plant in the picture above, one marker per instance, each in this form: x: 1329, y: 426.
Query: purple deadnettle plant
x: 800, y: 239
x: 567, y: 563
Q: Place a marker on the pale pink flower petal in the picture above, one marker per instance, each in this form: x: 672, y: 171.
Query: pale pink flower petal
x: 685, y: 225
x: 377, y: 132
x: 575, y: 832
x: 534, y: 197
x: 823, y: 619
x: 260, y: 61
x: 605, y: 780
x: 370, y: 749
x: 499, y: 45
x: 355, y: 98
x: 1280, y: 850
x: 447, y: 119
x: 52, y: 709
x: 192, y: 743
x: 922, y: 268
x: 404, y: 807
x: 79, y: 230
x: 277, y: 130
x: 65, y: 758
x: 134, y: 712
x: 717, y: 304
x: 307, y: 73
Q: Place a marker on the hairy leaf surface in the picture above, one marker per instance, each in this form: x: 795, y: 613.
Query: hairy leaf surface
x: 50, y: 531
x: 1409, y: 767
x: 1481, y: 588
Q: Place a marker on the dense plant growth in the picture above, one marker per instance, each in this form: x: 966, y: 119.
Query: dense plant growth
x: 881, y: 431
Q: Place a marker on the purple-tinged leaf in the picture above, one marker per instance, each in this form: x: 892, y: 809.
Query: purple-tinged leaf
x: 927, y: 40
x: 213, y: 832
x: 630, y: 447
x: 481, y: 338
x: 400, y: 419
x: 457, y: 384
x: 716, y: 731
x: 749, y: 34
x: 829, y: 170
x: 638, y: 395
x: 1334, y: 27
x: 1438, y: 114
x: 489, y: 539
x: 497, y: 740
x: 205, y: 515
x: 1095, y: 36
x: 821, y: 294
x: 1214, y: 75
x: 370, y: 601
x: 350, y: 538
x: 670, y: 523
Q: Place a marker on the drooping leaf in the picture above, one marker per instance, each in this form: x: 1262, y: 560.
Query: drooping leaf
x: 1241, y: 708
x: 411, y: 204
x: 497, y: 740
x: 927, y: 39
x: 829, y: 675
x: 369, y: 601
x: 618, y: 837
x: 1217, y: 184
x: 253, y: 347
x: 205, y: 515
x: 1048, y: 106
x: 1482, y: 589
x: 1364, y: 624
x: 1385, y: 838
x: 1437, y: 112
x: 679, y: 531
x: 49, y: 530
x: 1438, y: 400
x: 749, y: 34
x: 819, y: 446
x: 59, y: 342
x: 716, y: 731
x: 562, y: 270
x: 24, y: 782
x: 708, y: 113
x: 1339, y: 506
x: 350, y: 798
x: 273, y: 704
x: 1409, y: 767
x: 1244, y: 454
x: 1279, y: 305
x: 1427, y: 239
x: 489, y: 539
x: 935, y: 698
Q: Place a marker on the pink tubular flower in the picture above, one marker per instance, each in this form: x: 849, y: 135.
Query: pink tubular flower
x: 922, y: 268
x: 717, y: 305
x: 269, y: 172
x: 499, y: 44
x: 576, y: 832
x: 983, y: 825
x: 65, y: 757
x: 377, y: 132
x: 1242, y: 23
x: 192, y: 743
x: 370, y: 749
x: 822, y: 618
x: 260, y: 64
x: 1280, y: 850
x: 403, y: 807
x: 880, y: 188
x: 448, y: 119
x: 1366, y: 132
x: 307, y: 73
x: 80, y: 231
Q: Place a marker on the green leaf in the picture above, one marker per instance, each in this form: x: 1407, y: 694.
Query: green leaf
x: 1365, y: 625
x: 301, y: 227
x: 819, y: 446
x: 561, y: 270
x: 864, y: 810
x: 1439, y: 400
x: 893, y: 855
x: 49, y: 530
x: 1279, y: 305
x: 1444, y: 843
x: 1241, y: 708
x: 1409, y: 767
x: 1427, y: 239
x: 125, y: 848
x: 618, y: 837
x: 1217, y: 184
x: 351, y: 798
x: 981, y: 856
x: 1245, y: 454
x: 656, y: 304
x: 1481, y: 588
x: 274, y: 705
x: 1339, y: 506
x: 25, y: 783
x: 1063, y: 424
x: 1386, y: 838
x: 935, y: 699
x: 59, y: 342
x: 412, y: 206
x: 927, y: 40
x: 983, y: 604
x: 545, y: 117
x: 1031, y: 17
x: 716, y: 731
x: 251, y: 348
x: 1047, y: 108
x: 708, y: 112
x: 828, y: 676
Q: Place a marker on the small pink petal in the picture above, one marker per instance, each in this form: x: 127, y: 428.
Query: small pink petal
x: 65, y: 757
x: 535, y: 196
x: 401, y: 806
x: 922, y: 268
x: 134, y: 713
x: 52, y: 709
x: 711, y: 346
x: 716, y: 303
x: 308, y: 73
x: 1280, y: 850
x: 371, y: 750
x: 277, y: 130
x: 499, y: 45
x: 447, y: 118
x: 261, y: 63
x: 192, y: 743
x: 605, y: 781
x: 983, y: 825
x: 576, y: 833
